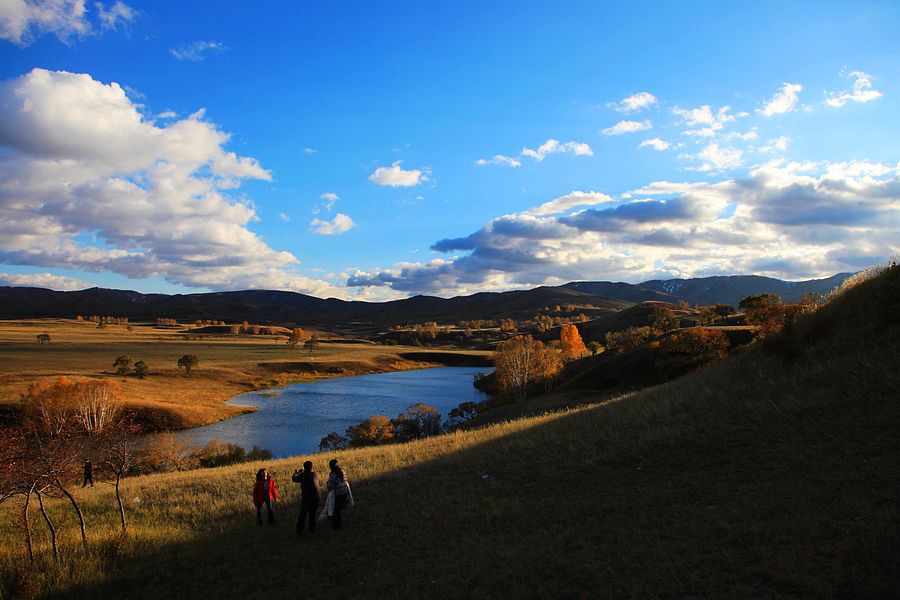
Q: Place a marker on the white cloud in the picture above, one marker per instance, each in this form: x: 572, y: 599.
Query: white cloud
x: 197, y: 51
x: 396, y: 176
x: 166, y: 114
x: 552, y: 146
x: 43, y: 280
x: 284, y: 217
x: 341, y: 223
x: 330, y: 198
x: 22, y: 21
x: 707, y: 122
x: 715, y: 157
x: 568, y: 202
x: 628, y: 127
x: 785, y: 100
x: 112, y: 17
x: 309, y: 150
x: 862, y: 91
x: 779, y: 144
x: 747, y: 136
x: 655, y: 143
x: 789, y: 220
x: 634, y: 103
x: 78, y: 160
x: 500, y: 160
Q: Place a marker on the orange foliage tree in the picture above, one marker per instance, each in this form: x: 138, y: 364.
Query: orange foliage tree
x: 570, y: 341
x: 524, y: 360
x: 371, y: 432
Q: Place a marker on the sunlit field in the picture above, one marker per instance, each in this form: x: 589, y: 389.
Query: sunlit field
x: 229, y: 364
x: 771, y: 474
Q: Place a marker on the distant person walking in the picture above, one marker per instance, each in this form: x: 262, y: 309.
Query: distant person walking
x: 309, y: 496
x: 337, y: 485
x: 88, y: 474
x: 264, y: 492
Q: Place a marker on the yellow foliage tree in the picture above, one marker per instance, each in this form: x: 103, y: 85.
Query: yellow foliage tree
x: 523, y: 360
x: 570, y: 341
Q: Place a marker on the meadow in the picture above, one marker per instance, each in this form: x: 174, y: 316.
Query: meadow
x: 167, y: 399
x: 771, y: 474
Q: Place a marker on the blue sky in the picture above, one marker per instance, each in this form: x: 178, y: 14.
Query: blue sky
x: 375, y: 150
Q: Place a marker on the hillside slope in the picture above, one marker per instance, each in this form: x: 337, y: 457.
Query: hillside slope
x: 772, y: 474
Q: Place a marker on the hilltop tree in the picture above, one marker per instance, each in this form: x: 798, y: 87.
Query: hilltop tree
x: 416, y: 422
x: 570, y: 342
x: 663, y: 318
x: 122, y: 365
x: 188, y: 362
x: 43, y: 337
x: 141, y: 369
x: 760, y: 309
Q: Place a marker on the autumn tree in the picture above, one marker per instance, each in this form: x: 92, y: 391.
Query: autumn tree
x: 311, y: 344
x: 188, y: 362
x: 373, y: 431
x: 333, y: 441
x: 43, y: 337
x: 570, y: 342
x: 760, y: 308
x: 297, y: 336
x: 708, y: 344
x: 465, y: 411
x: 595, y: 348
x: 416, y: 422
x: 122, y: 365
x: 628, y: 339
x: 141, y: 369
x: 663, y: 318
x: 521, y: 361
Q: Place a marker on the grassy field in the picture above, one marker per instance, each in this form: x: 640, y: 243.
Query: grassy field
x: 772, y: 474
x: 167, y: 399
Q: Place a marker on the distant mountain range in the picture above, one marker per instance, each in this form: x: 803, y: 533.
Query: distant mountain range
x: 276, y: 307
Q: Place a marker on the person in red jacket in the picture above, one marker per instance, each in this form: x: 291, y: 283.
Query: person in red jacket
x: 264, y: 492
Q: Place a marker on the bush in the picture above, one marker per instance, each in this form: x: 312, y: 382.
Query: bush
x: 629, y: 339
x: 705, y: 343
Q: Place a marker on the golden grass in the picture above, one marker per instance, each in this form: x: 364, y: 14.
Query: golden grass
x: 228, y: 365
x: 772, y: 474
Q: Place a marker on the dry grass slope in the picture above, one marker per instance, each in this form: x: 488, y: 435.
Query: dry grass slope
x: 773, y: 474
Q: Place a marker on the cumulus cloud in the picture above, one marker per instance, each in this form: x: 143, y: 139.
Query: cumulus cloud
x: 779, y: 144
x: 329, y: 199
x: 552, y: 146
x: 714, y: 157
x: 785, y: 100
x: 43, y: 280
x: 341, y: 223
x: 634, y: 103
x: 23, y: 21
x: 790, y: 220
x: 499, y: 159
x: 568, y: 202
x: 862, y: 91
x: 705, y: 120
x: 197, y: 51
x: 396, y: 176
x: 628, y: 127
x: 79, y: 162
x: 655, y: 143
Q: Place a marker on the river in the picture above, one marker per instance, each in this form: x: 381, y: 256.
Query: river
x: 292, y: 420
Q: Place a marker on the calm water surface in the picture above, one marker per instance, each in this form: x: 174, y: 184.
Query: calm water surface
x: 300, y: 415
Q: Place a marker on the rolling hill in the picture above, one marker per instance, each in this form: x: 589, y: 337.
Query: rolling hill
x: 278, y: 307
x: 770, y: 475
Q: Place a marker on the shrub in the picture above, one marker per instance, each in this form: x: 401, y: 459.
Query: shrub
x: 705, y: 343
x: 629, y: 339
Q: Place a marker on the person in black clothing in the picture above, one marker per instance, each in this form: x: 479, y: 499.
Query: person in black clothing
x: 88, y: 474
x: 309, y: 496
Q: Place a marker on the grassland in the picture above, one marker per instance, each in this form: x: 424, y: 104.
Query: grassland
x: 167, y: 399
x: 772, y: 474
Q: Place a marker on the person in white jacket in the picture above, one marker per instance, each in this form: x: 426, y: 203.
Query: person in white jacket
x: 338, y: 485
